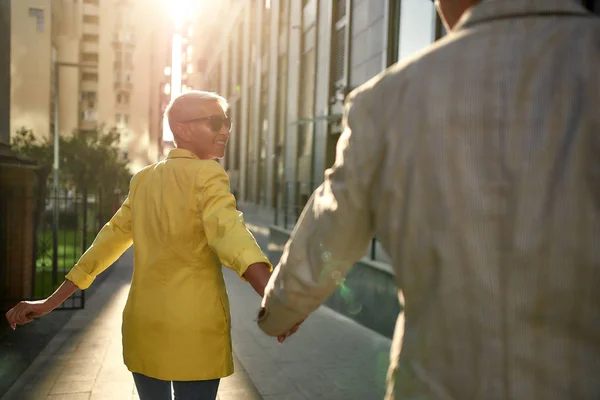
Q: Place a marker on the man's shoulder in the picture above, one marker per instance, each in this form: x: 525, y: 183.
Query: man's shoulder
x: 422, y: 65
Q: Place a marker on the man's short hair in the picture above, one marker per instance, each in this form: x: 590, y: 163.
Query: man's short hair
x: 183, y: 106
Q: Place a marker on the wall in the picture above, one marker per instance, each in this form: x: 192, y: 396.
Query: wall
x: 66, y: 36
x: 30, y: 67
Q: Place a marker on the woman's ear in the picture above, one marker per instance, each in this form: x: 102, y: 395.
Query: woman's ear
x: 181, y: 131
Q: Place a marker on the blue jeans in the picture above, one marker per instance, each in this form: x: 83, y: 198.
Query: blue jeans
x: 156, y: 389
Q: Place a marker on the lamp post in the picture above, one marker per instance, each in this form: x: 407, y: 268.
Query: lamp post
x: 55, y: 166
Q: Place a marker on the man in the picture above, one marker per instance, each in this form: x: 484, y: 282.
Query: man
x: 477, y: 165
x: 182, y: 219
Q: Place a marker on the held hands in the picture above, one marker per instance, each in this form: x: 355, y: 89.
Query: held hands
x: 283, y: 337
x: 25, y: 312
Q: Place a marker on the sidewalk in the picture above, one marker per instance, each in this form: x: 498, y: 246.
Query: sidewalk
x: 84, y: 361
x: 331, y: 357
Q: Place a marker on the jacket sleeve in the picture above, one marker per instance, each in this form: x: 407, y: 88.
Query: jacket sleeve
x: 224, y: 225
x: 334, y: 230
x: 110, y: 243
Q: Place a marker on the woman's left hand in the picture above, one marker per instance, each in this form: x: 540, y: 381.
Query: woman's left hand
x: 25, y: 312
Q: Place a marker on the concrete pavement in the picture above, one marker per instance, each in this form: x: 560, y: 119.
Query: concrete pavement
x: 331, y: 357
x: 84, y: 360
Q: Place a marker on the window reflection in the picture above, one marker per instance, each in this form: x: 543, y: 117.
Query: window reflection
x: 417, y: 28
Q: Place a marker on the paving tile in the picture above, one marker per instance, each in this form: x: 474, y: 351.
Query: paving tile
x: 288, y: 396
x: 79, y: 371
x: 112, y: 390
x: 329, y: 358
x: 35, y: 394
x: 239, y: 395
x: 114, y: 373
x: 72, y: 387
x: 75, y: 396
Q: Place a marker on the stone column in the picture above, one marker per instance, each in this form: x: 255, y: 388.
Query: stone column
x: 5, y: 70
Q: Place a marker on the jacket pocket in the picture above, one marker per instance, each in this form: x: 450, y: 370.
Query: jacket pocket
x: 224, y: 302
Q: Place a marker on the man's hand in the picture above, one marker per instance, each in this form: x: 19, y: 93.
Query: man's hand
x: 26, y: 311
x: 281, y: 338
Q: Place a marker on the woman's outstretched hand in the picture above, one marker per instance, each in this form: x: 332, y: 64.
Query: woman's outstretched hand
x: 26, y: 311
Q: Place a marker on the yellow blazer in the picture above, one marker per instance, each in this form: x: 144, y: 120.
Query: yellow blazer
x: 182, y: 219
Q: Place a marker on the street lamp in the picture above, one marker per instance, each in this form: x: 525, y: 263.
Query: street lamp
x: 55, y: 166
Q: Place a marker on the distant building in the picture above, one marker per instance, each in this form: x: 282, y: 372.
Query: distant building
x: 108, y: 54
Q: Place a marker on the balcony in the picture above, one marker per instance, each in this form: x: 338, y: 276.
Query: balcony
x: 89, y: 47
x: 122, y: 66
x: 123, y: 86
x: 88, y: 86
x: 90, y: 29
x: 90, y: 9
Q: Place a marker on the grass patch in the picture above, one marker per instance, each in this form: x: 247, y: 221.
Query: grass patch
x: 70, y: 248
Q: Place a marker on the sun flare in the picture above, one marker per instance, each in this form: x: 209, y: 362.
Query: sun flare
x: 180, y: 9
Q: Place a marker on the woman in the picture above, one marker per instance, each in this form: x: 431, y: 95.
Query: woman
x: 183, y: 221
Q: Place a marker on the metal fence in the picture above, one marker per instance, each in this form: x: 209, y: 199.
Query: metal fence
x: 289, y: 206
x: 41, y: 238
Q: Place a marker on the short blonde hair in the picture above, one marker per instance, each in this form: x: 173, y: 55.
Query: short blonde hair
x: 183, y: 106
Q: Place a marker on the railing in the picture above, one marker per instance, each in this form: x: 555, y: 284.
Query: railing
x: 90, y: 9
x: 91, y: 29
x: 36, y: 252
x: 288, y: 212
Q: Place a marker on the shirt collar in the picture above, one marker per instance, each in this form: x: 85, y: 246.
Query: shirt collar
x: 490, y: 9
x: 181, y: 153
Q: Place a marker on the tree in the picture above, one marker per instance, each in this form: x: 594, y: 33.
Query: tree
x: 90, y: 161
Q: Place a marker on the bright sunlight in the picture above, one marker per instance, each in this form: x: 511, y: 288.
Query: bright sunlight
x: 179, y: 11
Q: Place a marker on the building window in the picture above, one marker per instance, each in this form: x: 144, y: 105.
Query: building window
x: 126, y: 120
x: 89, y: 76
x: 91, y: 19
x: 339, y: 43
x: 123, y: 98
x: 89, y: 98
x: 417, y: 27
x: 38, y: 14
x: 89, y: 115
x: 118, y: 119
x: 90, y: 38
x: 90, y: 57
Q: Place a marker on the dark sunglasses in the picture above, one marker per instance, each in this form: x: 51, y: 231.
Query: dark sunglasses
x: 216, y: 122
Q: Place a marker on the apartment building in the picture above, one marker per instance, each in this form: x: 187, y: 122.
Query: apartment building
x: 103, y: 57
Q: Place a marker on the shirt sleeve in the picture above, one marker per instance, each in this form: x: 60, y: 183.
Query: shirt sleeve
x: 110, y: 243
x: 334, y: 230
x: 224, y: 225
